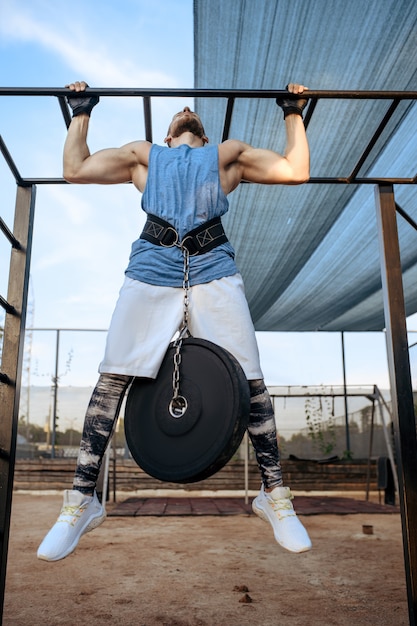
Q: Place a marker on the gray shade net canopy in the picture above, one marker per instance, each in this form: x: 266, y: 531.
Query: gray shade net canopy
x: 309, y: 254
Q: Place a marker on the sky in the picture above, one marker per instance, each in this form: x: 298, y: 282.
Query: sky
x: 83, y: 234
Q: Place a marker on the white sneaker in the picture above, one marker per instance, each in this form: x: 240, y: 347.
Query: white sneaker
x: 79, y: 514
x: 276, y: 508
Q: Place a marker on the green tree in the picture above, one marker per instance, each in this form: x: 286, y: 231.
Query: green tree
x: 71, y: 437
x: 32, y: 432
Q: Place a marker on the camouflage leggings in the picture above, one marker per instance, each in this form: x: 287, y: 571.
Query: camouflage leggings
x: 104, y: 408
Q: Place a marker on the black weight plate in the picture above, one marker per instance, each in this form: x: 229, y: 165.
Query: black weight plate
x: 197, y: 444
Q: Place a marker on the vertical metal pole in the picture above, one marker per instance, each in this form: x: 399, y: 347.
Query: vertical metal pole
x: 400, y: 380
x: 371, y: 440
x: 114, y: 468
x: 345, y: 395
x: 147, y: 112
x: 11, y: 364
x: 246, y: 446
x: 55, y: 381
x: 387, y: 436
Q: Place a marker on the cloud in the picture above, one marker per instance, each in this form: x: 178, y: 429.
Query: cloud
x: 79, y: 47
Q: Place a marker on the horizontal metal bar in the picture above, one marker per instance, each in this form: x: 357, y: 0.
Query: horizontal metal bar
x: 8, y: 233
x: 85, y: 330
x: 26, y: 182
x: 369, y: 396
x: 362, y: 181
x: 338, y: 180
x: 209, y: 93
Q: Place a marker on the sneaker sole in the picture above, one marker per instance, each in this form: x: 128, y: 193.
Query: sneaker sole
x: 94, y: 523
x: 259, y: 512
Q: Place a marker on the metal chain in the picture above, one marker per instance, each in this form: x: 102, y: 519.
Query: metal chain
x: 186, y: 288
x: 178, y: 404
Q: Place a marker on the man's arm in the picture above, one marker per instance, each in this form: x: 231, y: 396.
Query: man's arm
x: 268, y: 167
x: 114, y: 165
x: 241, y: 161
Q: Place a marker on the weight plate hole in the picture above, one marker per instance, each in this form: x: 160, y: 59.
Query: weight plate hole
x: 178, y: 406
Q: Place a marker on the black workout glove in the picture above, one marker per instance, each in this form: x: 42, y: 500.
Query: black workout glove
x: 81, y: 102
x: 289, y: 105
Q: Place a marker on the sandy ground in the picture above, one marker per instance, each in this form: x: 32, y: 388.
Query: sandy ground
x: 194, y: 571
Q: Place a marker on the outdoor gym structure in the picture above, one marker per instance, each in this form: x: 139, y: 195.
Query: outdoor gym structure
x: 15, y: 303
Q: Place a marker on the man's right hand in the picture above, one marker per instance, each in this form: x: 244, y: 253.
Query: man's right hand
x: 81, y: 104
x: 291, y: 105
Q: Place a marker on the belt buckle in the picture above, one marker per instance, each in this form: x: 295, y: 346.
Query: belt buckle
x: 190, y: 252
x: 175, y: 241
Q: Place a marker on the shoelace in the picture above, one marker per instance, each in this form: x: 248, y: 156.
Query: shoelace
x: 281, y: 507
x: 71, y: 511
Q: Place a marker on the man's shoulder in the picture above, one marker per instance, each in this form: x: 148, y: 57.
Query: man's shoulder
x: 231, y: 149
x: 141, y: 148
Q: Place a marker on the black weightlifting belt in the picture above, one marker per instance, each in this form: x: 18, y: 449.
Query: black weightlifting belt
x: 198, y: 241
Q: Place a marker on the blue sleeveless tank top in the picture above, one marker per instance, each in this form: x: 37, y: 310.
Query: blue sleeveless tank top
x: 183, y: 188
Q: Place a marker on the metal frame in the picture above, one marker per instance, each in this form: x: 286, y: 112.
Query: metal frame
x: 12, y: 359
x: 231, y: 95
x: 400, y: 379
x: 398, y: 357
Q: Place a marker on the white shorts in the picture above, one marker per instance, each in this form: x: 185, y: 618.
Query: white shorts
x: 147, y: 317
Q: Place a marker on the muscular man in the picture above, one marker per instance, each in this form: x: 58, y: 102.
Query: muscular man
x: 185, y: 187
